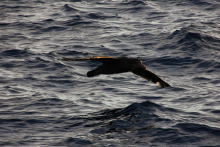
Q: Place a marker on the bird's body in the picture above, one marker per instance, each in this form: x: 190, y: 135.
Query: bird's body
x: 115, y: 65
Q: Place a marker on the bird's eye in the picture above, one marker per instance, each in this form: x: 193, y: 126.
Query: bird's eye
x: 137, y: 61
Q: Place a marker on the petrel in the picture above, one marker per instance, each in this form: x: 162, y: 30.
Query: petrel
x: 115, y: 65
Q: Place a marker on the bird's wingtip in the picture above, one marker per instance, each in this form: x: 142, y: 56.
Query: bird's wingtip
x: 163, y: 84
x: 65, y: 59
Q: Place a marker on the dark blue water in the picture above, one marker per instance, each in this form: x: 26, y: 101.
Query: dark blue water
x: 45, y: 101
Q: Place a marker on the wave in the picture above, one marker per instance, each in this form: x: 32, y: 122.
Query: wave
x: 70, y: 141
x: 138, y: 123
x: 191, y: 34
x: 145, y: 122
x: 68, y: 8
x: 16, y: 53
x: 53, y: 28
x: 129, y: 118
x: 102, y: 16
x: 133, y: 3
x: 196, y: 45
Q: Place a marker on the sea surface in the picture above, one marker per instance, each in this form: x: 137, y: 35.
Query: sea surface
x: 45, y: 101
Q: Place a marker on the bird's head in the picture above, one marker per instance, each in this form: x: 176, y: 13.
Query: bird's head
x: 136, y: 63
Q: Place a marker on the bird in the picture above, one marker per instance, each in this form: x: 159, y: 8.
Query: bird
x: 116, y: 65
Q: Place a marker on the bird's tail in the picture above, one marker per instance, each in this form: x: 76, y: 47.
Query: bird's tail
x: 91, y: 73
x: 95, y: 72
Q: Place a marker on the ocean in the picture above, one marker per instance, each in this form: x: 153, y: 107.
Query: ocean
x: 45, y: 101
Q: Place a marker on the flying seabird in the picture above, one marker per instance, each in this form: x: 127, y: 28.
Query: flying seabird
x: 114, y: 65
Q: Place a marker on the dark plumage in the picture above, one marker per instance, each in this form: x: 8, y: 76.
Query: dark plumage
x: 114, y: 65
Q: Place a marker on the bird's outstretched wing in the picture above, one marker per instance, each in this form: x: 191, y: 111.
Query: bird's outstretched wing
x: 150, y: 76
x: 102, y: 59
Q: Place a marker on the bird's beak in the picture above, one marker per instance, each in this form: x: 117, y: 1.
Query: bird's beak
x: 143, y: 66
